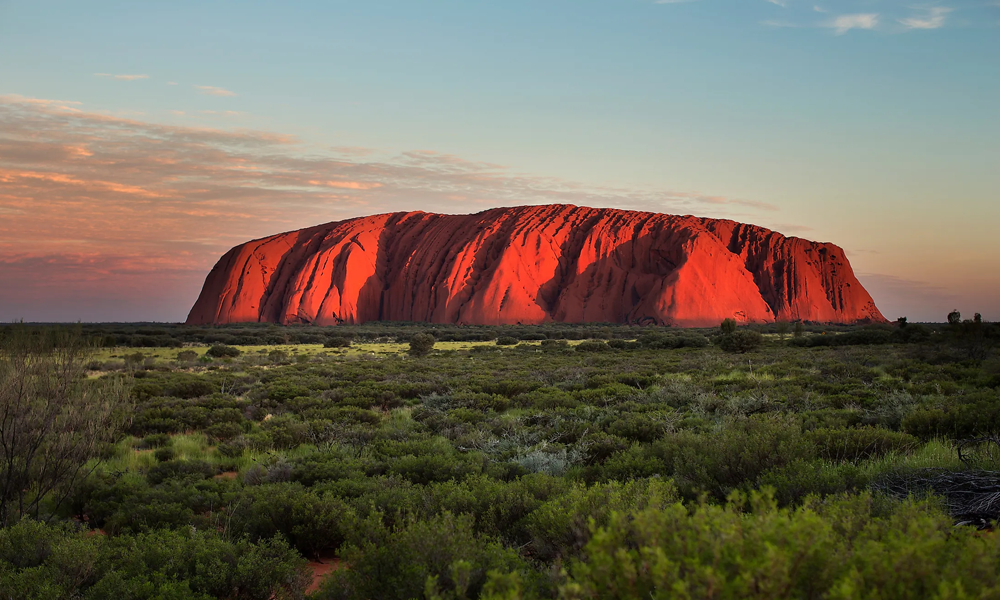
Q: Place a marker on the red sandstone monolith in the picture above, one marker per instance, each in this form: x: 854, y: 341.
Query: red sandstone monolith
x: 530, y: 265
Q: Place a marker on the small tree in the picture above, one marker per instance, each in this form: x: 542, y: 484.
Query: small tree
x: 728, y: 326
x: 53, y: 420
x: 800, y: 329
x: 954, y: 317
x: 782, y: 328
x: 421, y: 344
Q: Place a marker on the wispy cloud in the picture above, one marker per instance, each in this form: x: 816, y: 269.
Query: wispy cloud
x: 106, y: 201
x: 223, y: 113
x: 211, y: 90
x: 122, y: 77
x: 790, y: 228
x: 845, y: 23
x: 931, y: 18
x: 774, y: 23
x: 781, y: 3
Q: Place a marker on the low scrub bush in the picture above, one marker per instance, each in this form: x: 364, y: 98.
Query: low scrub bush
x: 593, y: 346
x: 740, y: 341
x: 43, y: 561
x: 442, y: 556
x: 750, y: 548
x: 223, y: 351
x: 860, y: 443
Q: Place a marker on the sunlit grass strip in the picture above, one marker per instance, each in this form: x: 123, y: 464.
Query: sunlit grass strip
x: 293, y: 350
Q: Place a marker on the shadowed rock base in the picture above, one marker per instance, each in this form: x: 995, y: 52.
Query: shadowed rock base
x: 531, y: 265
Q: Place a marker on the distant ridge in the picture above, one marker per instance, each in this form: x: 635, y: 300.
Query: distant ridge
x: 530, y: 265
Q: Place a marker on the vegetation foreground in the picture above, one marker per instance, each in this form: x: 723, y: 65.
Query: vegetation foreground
x: 405, y: 461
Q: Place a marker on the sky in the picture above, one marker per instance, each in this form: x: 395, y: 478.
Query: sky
x: 139, y: 141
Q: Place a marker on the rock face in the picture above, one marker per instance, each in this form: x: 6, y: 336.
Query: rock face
x: 533, y: 264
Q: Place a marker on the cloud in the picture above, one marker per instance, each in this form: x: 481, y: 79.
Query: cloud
x: 356, y: 151
x: 223, y: 113
x: 773, y: 23
x: 93, y: 203
x: 211, y: 90
x: 845, y: 23
x: 791, y: 228
x: 781, y: 3
x: 819, y: 9
x: 932, y: 18
x: 346, y: 185
x: 122, y: 77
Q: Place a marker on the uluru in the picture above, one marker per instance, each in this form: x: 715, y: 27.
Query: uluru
x: 532, y: 265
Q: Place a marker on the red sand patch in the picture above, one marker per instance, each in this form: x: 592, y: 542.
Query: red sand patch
x: 227, y: 475
x: 320, y: 570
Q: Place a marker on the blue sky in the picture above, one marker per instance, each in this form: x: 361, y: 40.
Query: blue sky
x: 872, y: 124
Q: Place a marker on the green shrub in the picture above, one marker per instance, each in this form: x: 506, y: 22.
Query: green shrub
x: 234, y: 448
x: 223, y: 351
x: 179, y: 469
x: 309, y: 521
x: 506, y: 340
x: 734, y: 456
x: 592, y: 346
x: 554, y: 344
x: 421, y: 344
x: 562, y: 526
x: 659, y: 341
x: 154, y: 440
x: 337, y: 342
x: 442, y: 555
x: 223, y: 431
x: 728, y: 326
x: 741, y: 341
x: 42, y: 561
x: 164, y: 454
x: 797, y: 480
x: 861, y: 443
x: 956, y: 421
x: 749, y: 548
x: 639, y: 427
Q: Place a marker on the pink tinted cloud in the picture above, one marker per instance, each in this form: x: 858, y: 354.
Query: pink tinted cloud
x: 94, y: 206
x: 122, y: 77
x: 211, y: 90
